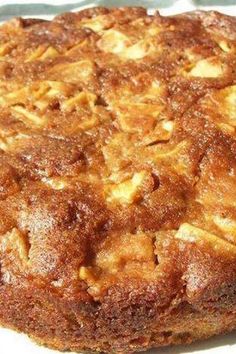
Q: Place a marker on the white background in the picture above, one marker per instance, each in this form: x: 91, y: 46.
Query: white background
x: 15, y: 343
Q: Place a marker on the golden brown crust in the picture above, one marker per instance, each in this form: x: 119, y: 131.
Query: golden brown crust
x: 118, y: 178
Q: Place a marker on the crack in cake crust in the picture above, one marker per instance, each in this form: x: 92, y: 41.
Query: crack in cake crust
x: 118, y: 178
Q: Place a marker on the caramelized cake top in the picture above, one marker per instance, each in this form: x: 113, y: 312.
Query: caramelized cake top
x: 117, y: 149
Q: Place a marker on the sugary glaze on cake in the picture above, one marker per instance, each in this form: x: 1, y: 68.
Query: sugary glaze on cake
x: 118, y: 178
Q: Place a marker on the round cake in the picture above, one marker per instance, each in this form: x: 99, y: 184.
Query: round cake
x: 118, y: 178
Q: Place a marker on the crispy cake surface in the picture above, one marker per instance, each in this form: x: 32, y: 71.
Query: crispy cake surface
x: 118, y: 178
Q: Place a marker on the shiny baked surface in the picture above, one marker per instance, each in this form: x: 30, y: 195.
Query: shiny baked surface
x: 118, y: 178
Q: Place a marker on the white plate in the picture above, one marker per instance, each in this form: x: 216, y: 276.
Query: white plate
x: 15, y: 343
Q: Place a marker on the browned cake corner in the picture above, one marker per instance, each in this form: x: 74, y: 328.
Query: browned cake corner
x: 118, y: 178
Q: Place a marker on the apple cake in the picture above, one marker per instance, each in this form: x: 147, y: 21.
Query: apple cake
x: 118, y: 178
